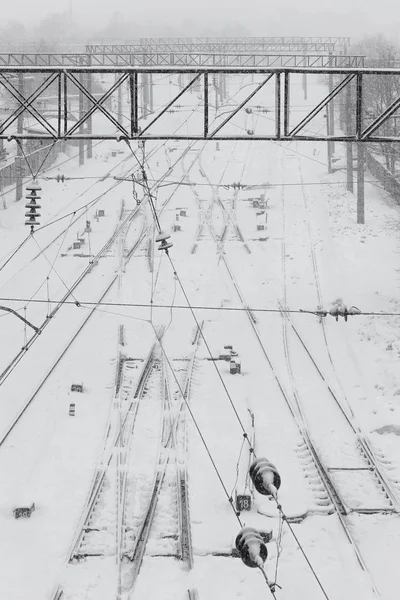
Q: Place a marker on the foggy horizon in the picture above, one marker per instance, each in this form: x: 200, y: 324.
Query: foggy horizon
x: 208, y: 18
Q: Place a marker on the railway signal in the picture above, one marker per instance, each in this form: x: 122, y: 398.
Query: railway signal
x: 32, y: 206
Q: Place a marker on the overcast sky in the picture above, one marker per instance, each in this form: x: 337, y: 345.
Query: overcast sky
x: 260, y: 17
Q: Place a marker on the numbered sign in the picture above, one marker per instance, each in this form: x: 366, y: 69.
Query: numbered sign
x: 243, y: 502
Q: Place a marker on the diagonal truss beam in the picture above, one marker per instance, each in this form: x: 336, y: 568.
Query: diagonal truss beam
x: 383, y: 117
x: 27, y: 104
x: 164, y: 110
x: 97, y: 104
x: 321, y: 105
x: 63, y: 81
x: 233, y: 113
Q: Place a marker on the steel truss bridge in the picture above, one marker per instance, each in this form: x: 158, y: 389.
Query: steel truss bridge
x: 219, y: 47
x: 183, y: 59
x: 363, y: 124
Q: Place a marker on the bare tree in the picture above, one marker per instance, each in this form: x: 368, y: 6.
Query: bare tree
x: 380, y: 91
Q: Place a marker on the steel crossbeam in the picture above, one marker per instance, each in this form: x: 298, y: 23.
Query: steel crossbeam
x: 338, y: 41
x: 185, y: 59
x: 219, y: 47
x: 66, y: 83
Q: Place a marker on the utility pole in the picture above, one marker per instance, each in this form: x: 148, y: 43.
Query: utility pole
x: 304, y: 78
x: 89, y: 149
x: 329, y: 146
x: 360, y: 182
x: 19, y: 157
x: 349, y: 145
x: 2, y: 157
x: 81, y: 126
x: 119, y: 101
x: 305, y: 85
x: 331, y: 107
x: 150, y: 85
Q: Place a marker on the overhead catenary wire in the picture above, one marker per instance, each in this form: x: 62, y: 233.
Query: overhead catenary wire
x: 55, y: 271
x: 245, y: 435
x: 74, y: 212
x: 189, y: 308
x: 300, y: 311
x: 197, y: 425
x: 14, y: 252
x: 50, y: 270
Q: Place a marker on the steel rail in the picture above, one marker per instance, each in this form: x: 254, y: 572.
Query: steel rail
x: 139, y: 391
x: 351, y: 422
x: 169, y: 437
x: 331, y: 489
x: 370, y: 458
x: 39, y: 387
x: 106, y: 458
x: 71, y: 289
x: 303, y: 430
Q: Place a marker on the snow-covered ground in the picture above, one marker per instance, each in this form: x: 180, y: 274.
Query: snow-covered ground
x: 310, y: 253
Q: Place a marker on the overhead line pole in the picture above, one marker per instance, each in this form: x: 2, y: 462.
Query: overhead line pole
x: 349, y: 145
x: 89, y: 149
x: 20, y: 130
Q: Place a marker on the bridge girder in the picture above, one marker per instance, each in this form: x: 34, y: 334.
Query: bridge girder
x: 364, y: 123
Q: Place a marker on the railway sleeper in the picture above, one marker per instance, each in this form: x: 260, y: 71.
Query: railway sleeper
x: 372, y: 511
x: 83, y: 555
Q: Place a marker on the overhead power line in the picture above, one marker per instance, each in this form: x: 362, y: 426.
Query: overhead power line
x: 301, y: 311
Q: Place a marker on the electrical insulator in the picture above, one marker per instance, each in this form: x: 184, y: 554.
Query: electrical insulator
x: 265, y: 477
x: 32, y: 205
x: 162, y: 237
x: 343, y: 311
x: 248, y: 110
x: 33, y: 196
x: 251, y: 547
x: 34, y: 186
x: 60, y: 178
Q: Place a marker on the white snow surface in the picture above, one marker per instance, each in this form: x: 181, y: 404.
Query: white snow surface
x: 51, y: 458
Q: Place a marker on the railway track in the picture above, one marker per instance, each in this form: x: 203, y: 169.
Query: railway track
x: 116, y: 443
x: 356, y: 461
x: 170, y: 472
x: 120, y: 230
x: 124, y: 526
x: 333, y: 494
x: 368, y: 465
x: 229, y: 218
x: 68, y: 345
x: 229, y: 224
